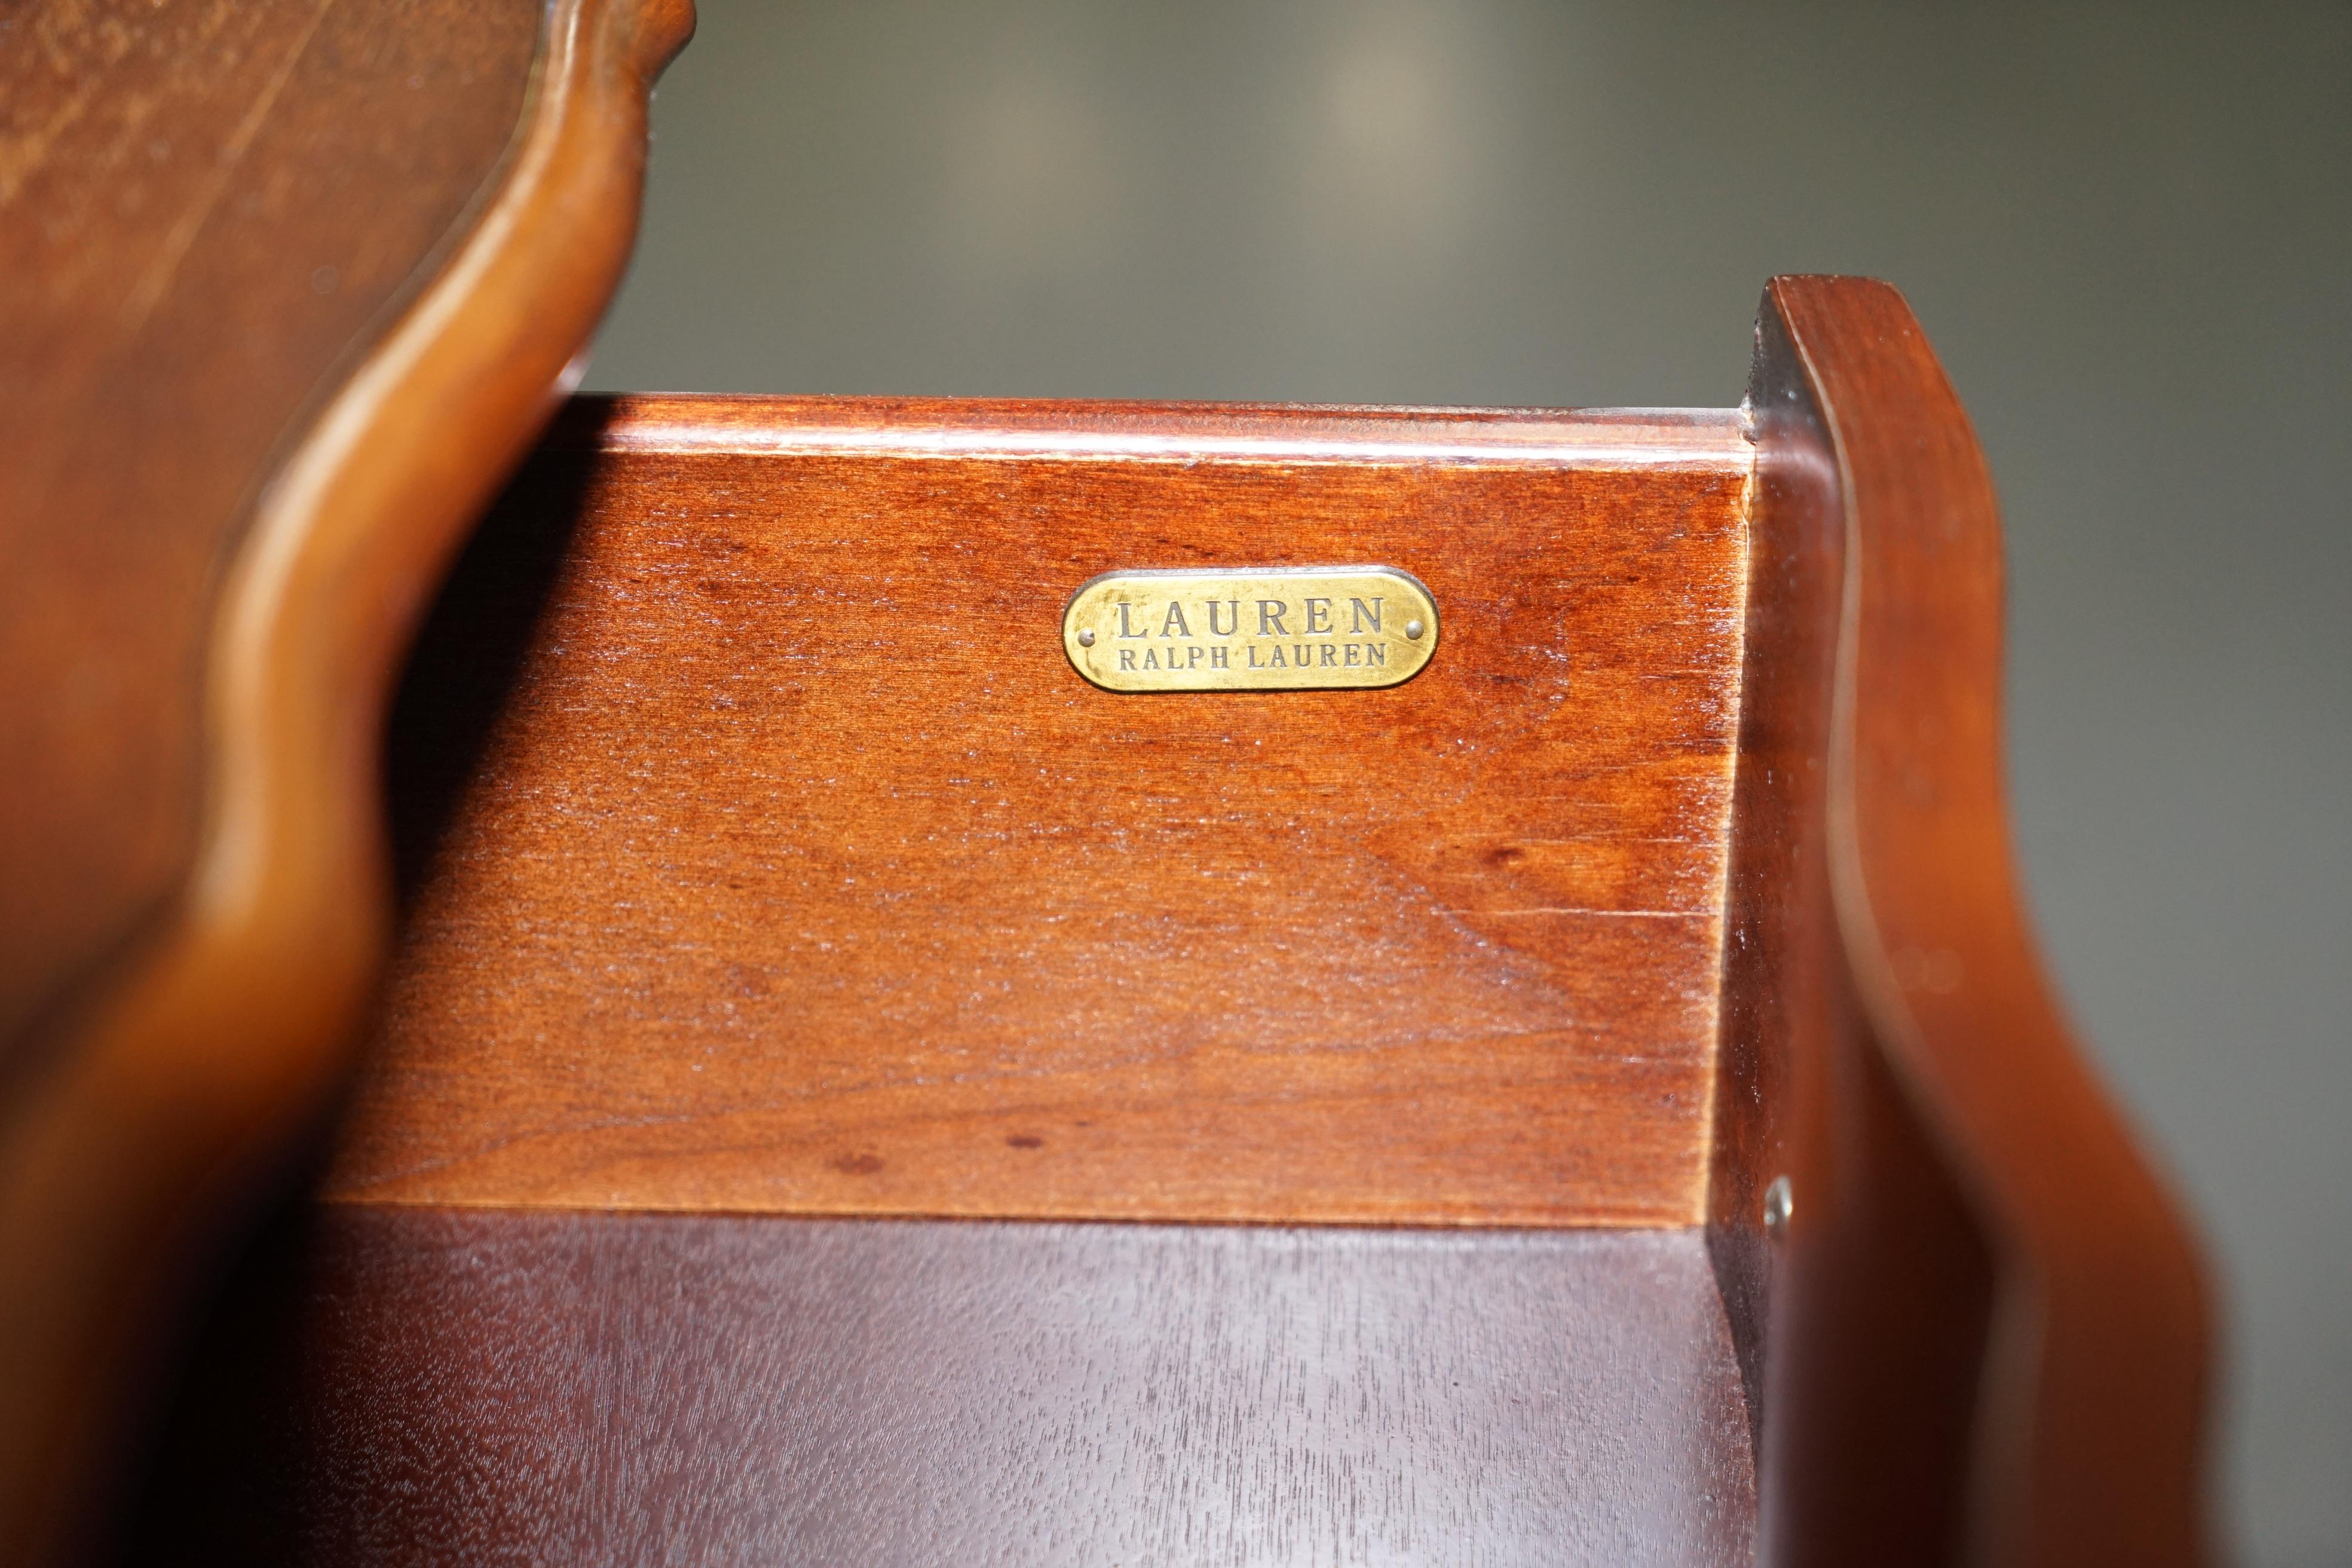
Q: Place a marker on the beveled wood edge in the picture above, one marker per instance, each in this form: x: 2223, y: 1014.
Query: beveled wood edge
x: 1704, y: 439
x: 1471, y: 1221
x: 2088, y: 1429
x: 155, y: 1125
x: 1465, y: 1229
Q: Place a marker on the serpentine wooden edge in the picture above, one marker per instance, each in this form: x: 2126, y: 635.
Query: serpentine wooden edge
x: 146, y: 1129
x: 1988, y: 1340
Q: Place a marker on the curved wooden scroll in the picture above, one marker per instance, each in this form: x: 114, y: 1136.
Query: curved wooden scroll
x: 156, y: 1058
x: 1986, y: 1334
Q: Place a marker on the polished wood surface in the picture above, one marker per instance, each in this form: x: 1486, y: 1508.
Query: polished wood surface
x: 1984, y: 1330
x: 761, y: 851
x: 309, y: 281
x: 427, y: 1386
x: 770, y: 855
x: 204, y: 209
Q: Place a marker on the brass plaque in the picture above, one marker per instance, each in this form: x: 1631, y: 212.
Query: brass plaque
x: 1271, y: 629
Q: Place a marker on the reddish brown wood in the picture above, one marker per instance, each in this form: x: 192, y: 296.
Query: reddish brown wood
x: 1983, y: 1334
x: 764, y: 854
x: 202, y: 209
x: 423, y: 1386
x: 298, y: 285
x: 799, y: 870
x: 1780, y: 982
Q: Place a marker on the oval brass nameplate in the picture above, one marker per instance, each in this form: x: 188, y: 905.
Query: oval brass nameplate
x: 1275, y: 628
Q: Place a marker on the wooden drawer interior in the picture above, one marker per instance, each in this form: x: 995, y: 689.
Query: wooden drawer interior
x: 766, y: 853
x: 767, y: 863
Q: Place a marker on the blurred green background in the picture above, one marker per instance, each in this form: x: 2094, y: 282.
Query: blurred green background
x: 2126, y: 229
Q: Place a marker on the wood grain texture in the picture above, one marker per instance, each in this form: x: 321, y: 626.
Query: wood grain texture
x: 311, y: 278
x: 770, y: 856
x: 203, y: 210
x: 421, y: 1386
x: 1863, y: 1324
x: 1784, y: 988
x: 1986, y: 1339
